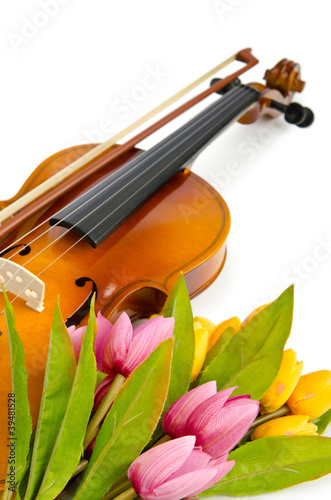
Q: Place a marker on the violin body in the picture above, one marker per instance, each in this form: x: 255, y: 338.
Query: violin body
x: 182, y: 228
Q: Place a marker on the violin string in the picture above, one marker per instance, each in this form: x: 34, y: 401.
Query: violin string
x: 78, y: 207
x: 124, y: 202
x: 86, y: 202
x: 105, y: 218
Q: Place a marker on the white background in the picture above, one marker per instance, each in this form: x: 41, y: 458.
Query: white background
x: 62, y: 84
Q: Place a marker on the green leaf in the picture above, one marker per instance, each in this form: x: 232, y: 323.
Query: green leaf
x: 19, y: 436
x: 25, y: 478
x: 130, y: 423
x: 322, y: 422
x: 100, y: 377
x: 252, y: 358
x: 218, y: 347
x: 178, y: 306
x: 274, y: 463
x: 59, y: 377
x: 69, y: 444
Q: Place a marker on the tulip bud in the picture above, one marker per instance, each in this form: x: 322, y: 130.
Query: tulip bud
x: 201, y: 337
x: 218, y: 421
x: 220, y: 329
x: 175, y: 420
x: 104, y: 328
x: 286, y: 426
x: 126, y: 348
x: 176, y: 470
x: 312, y: 395
x: 205, y: 323
x: 284, y: 384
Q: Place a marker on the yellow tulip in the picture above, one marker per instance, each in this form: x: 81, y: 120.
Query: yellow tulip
x: 284, y: 384
x: 205, y: 323
x: 201, y: 336
x: 220, y: 329
x: 286, y: 426
x: 312, y: 395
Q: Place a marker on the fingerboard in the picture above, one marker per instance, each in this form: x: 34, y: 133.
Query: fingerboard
x: 101, y: 210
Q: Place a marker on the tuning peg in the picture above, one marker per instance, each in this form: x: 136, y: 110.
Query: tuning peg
x: 228, y: 87
x: 294, y: 113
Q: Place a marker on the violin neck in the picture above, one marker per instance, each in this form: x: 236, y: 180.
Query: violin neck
x: 102, y: 209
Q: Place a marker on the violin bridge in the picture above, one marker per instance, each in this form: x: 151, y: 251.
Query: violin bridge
x: 22, y: 283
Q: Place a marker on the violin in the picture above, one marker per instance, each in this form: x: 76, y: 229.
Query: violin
x: 122, y: 223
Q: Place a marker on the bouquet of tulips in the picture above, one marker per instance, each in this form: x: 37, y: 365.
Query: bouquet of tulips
x: 175, y: 408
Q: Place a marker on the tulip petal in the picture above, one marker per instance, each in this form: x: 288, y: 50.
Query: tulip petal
x: 117, y: 345
x: 149, y: 322
x: 206, y: 412
x: 312, y: 395
x: 104, y: 328
x: 285, y: 426
x: 197, y: 460
x: 189, y: 484
x: 241, y: 399
x: 174, y: 421
x: 146, y: 341
x: 201, y: 337
x: 228, y: 428
x: 284, y: 384
x: 220, y: 329
x: 154, y: 466
x: 205, y: 323
x: 222, y: 471
x: 76, y: 335
x: 219, y: 460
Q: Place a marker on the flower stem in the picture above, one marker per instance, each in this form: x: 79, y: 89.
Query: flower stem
x: 80, y: 467
x: 129, y: 494
x: 284, y: 410
x: 94, y: 425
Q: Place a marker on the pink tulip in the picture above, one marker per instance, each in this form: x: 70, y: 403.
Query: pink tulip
x: 126, y: 348
x: 119, y: 348
x: 175, y: 470
x: 104, y: 328
x: 218, y: 421
x: 174, y: 421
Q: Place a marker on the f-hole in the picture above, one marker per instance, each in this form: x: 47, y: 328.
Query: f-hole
x: 77, y: 317
x: 25, y: 250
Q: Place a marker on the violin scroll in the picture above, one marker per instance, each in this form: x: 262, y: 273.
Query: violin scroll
x: 282, y: 81
x: 285, y: 77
